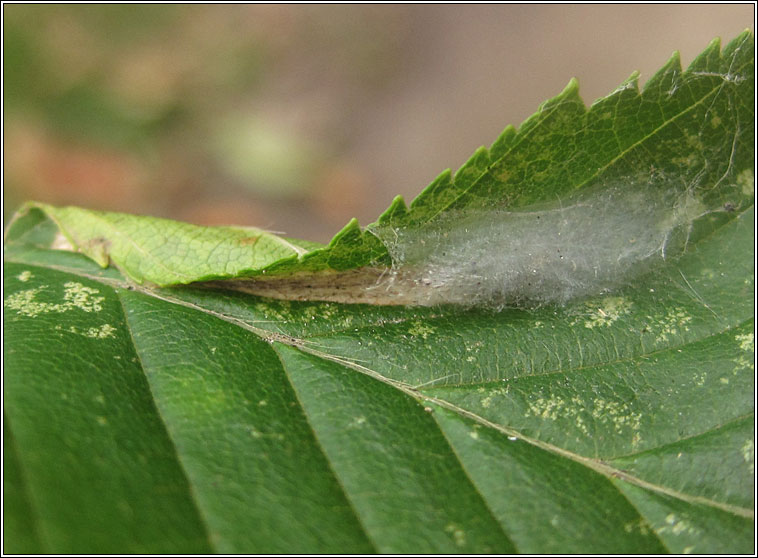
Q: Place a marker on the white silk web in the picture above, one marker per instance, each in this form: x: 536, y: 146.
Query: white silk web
x: 589, y: 245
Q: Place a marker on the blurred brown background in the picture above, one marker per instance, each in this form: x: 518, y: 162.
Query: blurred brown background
x: 296, y: 118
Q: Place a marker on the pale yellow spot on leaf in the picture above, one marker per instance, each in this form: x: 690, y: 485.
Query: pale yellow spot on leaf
x: 747, y: 346
x: 677, y: 525
x: 420, y: 329
x: 607, y: 312
x: 79, y: 296
x: 26, y: 303
x: 75, y: 295
x: 105, y: 330
x: 619, y: 415
x: 673, y: 323
x: 746, y: 181
x: 459, y: 535
x: 748, y: 454
x: 746, y: 341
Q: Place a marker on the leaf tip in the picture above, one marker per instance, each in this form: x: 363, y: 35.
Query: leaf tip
x: 666, y: 76
x: 570, y: 91
x: 633, y: 79
x: 352, y: 227
x: 572, y: 87
x: 397, y: 209
x: 674, y: 61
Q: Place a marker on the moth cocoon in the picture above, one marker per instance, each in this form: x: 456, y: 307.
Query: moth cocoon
x: 590, y: 244
x: 550, y: 254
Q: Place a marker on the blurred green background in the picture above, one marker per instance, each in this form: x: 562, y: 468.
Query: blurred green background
x: 296, y: 118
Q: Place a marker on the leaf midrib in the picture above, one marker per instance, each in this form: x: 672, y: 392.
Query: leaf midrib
x: 301, y: 344
x: 596, y: 465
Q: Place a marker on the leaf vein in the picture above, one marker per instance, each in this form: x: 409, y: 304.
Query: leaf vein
x: 192, y: 496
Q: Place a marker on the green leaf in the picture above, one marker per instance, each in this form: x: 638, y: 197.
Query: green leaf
x: 144, y: 414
